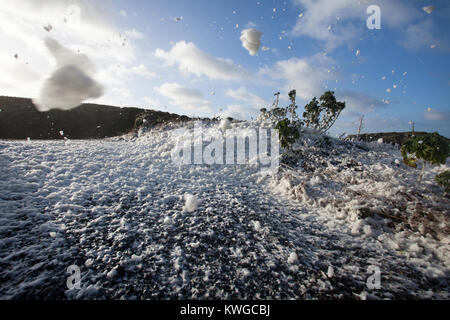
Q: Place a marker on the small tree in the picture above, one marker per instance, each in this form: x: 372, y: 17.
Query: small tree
x: 321, y: 116
x: 431, y: 148
x: 292, y: 107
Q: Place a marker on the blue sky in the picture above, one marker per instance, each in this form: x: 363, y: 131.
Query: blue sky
x: 187, y: 56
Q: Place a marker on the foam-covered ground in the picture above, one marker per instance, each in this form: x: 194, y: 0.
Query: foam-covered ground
x: 115, y: 208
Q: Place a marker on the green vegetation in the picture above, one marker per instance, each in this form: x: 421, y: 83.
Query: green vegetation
x: 430, y: 147
x: 288, y: 133
x: 319, y: 115
x: 411, y: 162
x: 443, y: 179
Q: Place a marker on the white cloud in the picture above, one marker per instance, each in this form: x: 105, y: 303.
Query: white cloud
x: 397, y: 13
x: 185, y: 98
x: 133, y: 33
x: 118, y: 74
x: 359, y: 102
x: 153, y: 103
x: 436, y: 115
x: 192, y: 60
x: 16, y: 74
x: 242, y: 94
x: 119, y: 80
x: 123, y: 13
x: 120, y: 95
x: 319, y: 15
x: 140, y: 70
x: 239, y: 112
x: 251, y: 40
x: 175, y: 91
x: 309, y: 76
x: 71, y: 83
x: 79, y: 25
x: 306, y: 75
x: 421, y: 36
x: 121, y: 92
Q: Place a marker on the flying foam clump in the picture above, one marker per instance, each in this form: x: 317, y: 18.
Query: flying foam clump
x: 428, y: 9
x: 71, y: 83
x: 251, y: 40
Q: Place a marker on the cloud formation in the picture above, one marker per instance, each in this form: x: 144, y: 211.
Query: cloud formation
x: 306, y: 75
x: 319, y: 15
x: 135, y: 34
x: 81, y: 25
x: 121, y: 74
x: 242, y: 94
x: 185, y: 98
x: 358, y: 102
x: 71, y: 83
x: 421, y: 36
x: 237, y: 111
x: 251, y: 40
x: 192, y: 60
x: 436, y: 115
x: 338, y: 22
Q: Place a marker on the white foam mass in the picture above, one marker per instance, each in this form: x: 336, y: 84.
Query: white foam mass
x: 71, y: 83
x: 251, y: 40
x: 191, y: 203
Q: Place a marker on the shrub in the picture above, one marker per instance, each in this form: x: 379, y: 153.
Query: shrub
x: 443, y: 179
x: 431, y: 148
x: 321, y: 116
x: 318, y: 116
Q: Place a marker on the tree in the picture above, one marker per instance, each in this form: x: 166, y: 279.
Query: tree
x: 322, y: 114
x: 278, y: 113
x: 430, y: 147
x: 292, y: 107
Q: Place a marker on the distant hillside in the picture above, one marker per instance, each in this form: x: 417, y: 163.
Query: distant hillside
x: 19, y: 119
x: 389, y: 137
